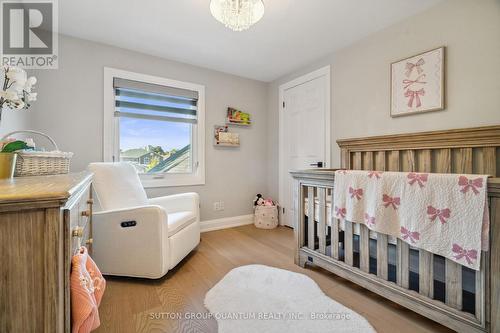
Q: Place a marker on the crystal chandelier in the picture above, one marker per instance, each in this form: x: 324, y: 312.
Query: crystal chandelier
x: 237, y: 15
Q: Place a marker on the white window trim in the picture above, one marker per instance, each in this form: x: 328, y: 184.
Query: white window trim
x: 112, y: 133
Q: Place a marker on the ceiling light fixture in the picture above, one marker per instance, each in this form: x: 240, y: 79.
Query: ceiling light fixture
x: 237, y: 15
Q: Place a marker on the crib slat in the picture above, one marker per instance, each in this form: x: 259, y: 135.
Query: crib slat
x: 364, y: 248
x: 462, y: 160
x: 453, y: 284
x: 300, y: 212
x: 424, y: 160
x: 393, y: 160
x: 382, y: 256
x: 408, y: 161
x: 356, y: 161
x: 380, y: 160
x: 443, y: 160
x: 322, y: 219
x: 368, y: 160
x: 481, y: 286
x: 485, y: 161
x: 334, y: 237
x: 403, y: 270
x: 426, y: 273
x: 310, y: 218
x: 348, y: 243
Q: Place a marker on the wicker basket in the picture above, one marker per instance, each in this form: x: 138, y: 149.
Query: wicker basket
x: 38, y: 163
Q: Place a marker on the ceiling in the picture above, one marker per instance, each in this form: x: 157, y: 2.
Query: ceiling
x: 291, y: 34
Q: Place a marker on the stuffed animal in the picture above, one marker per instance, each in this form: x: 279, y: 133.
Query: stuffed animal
x: 259, y: 200
x: 268, y: 202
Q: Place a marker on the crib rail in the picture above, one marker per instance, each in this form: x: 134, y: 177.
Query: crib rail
x: 432, y: 285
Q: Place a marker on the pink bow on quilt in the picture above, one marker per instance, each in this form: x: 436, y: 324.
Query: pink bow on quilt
x: 414, y: 95
x: 470, y: 184
x: 376, y: 174
x: 419, y: 178
x: 411, y: 66
x: 469, y: 255
x: 390, y: 201
x: 413, y: 236
x: 369, y: 220
x: 340, y: 212
x: 441, y: 214
x: 356, y: 193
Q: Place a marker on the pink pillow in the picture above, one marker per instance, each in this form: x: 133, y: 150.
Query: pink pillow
x: 87, y: 288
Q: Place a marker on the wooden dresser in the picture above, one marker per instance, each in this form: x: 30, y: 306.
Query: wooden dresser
x: 42, y: 220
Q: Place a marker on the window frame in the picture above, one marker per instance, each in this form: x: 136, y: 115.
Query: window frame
x: 111, y: 129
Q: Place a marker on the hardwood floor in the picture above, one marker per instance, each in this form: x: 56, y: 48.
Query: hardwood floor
x: 137, y: 305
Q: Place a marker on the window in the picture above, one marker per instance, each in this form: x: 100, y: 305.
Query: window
x: 157, y: 125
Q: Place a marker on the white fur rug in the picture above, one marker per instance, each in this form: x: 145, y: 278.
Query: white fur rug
x: 259, y: 298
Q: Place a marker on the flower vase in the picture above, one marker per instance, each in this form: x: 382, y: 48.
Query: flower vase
x: 7, y: 165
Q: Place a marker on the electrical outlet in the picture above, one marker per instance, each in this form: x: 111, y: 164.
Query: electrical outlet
x: 218, y: 206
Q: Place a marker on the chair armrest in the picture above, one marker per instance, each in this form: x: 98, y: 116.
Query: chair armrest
x: 179, y: 202
x: 139, y: 249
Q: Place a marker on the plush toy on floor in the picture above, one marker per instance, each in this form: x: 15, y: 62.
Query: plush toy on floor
x: 259, y: 200
x: 266, y: 213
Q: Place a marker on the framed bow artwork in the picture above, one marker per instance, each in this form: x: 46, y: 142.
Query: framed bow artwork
x: 417, y: 83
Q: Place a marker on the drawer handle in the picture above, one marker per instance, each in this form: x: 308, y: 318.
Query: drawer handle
x: 89, y: 241
x: 90, y: 201
x: 77, y: 232
x: 86, y: 213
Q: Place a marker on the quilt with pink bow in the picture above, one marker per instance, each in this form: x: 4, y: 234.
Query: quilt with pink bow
x: 445, y: 214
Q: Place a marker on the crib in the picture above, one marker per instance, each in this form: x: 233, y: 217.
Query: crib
x: 460, y: 298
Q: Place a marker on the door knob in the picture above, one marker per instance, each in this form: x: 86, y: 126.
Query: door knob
x: 318, y: 164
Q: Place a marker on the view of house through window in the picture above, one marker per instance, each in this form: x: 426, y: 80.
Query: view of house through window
x: 156, y: 146
x: 156, y: 126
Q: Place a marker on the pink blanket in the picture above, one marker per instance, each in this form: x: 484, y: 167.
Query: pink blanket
x: 87, y: 288
x: 445, y: 214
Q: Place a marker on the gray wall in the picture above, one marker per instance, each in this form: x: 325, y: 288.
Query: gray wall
x: 70, y: 108
x: 469, y: 29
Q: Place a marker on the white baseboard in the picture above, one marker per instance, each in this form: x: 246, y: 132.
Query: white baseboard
x: 227, y: 222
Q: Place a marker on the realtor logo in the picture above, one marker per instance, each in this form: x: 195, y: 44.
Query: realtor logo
x: 29, y: 33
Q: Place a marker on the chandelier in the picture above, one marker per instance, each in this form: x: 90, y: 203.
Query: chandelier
x: 237, y: 15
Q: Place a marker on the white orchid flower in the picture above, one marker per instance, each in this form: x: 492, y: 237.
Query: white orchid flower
x: 9, y: 95
x: 32, y: 97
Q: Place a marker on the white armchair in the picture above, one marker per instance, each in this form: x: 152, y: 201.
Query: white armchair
x: 136, y: 236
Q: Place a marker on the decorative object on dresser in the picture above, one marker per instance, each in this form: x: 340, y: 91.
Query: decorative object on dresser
x: 276, y: 300
x: 417, y: 83
x: 41, y: 221
x: 37, y: 162
x: 441, y: 289
x: 136, y: 236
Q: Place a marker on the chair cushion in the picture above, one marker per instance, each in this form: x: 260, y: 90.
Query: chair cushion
x: 179, y: 220
x: 117, y: 185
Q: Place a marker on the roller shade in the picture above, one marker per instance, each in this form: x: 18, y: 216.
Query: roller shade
x: 134, y: 99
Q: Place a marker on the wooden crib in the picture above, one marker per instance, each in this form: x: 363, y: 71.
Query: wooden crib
x: 440, y: 289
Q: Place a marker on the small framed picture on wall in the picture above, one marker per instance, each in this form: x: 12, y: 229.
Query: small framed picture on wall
x: 417, y: 83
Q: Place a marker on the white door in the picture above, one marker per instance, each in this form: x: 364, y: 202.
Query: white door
x: 304, y: 133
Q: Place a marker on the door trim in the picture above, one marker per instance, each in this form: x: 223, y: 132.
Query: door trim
x: 324, y: 71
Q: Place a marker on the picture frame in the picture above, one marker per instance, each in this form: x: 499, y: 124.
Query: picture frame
x: 418, y: 83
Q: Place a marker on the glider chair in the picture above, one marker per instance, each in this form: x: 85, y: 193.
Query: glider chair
x: 136, y: 236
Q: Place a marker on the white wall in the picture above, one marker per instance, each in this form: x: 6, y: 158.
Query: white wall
x: 470, y: 30
x: 70, y: 108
